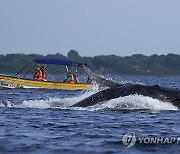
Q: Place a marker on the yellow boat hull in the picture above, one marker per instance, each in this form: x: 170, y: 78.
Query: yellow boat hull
x: 14, y: 82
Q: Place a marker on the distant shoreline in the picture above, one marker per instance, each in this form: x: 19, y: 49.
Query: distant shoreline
x: 155, y: 65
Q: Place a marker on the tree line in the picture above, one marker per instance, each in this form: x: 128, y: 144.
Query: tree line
x: 136, y: 64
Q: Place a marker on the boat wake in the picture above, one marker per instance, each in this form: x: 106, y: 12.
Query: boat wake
x: 131, y: 102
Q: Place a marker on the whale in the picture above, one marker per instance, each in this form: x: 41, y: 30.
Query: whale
x: 171, y: 95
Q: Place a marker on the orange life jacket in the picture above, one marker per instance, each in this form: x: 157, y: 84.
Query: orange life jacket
x: 40, y: 75
x: 74, y: 79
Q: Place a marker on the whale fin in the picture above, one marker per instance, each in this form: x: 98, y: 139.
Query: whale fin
x: 99, y: 80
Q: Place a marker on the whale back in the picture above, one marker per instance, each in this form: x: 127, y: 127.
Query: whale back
x: 155, y: 91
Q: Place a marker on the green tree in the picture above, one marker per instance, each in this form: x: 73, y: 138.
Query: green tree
x: 73, y: 54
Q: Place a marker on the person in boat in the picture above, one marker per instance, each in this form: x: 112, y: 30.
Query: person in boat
x: 89, y: 80
x: 71, y: 78
x: 40, y: 74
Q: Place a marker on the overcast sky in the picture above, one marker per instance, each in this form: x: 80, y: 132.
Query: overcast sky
x: 92, y: 27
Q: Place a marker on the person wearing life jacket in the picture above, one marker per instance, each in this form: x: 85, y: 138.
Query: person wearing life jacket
x: 40, y: 74
x: 71, y: 78
x: 89, y: 80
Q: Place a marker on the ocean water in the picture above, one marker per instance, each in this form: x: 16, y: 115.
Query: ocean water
x: 42, y: 121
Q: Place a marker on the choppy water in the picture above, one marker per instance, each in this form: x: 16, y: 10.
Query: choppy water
x: 42, y: 121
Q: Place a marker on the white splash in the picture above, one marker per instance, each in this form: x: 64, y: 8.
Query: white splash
x: 133, y: 102
x: 62, y: 103
x: 6, y: 104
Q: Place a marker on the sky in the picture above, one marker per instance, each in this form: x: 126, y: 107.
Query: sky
x: 91, y: 27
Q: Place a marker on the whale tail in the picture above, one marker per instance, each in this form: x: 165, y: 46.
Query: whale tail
x: 99, y: 80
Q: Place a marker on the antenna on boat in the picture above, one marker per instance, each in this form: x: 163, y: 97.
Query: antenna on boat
x: 67, y: 68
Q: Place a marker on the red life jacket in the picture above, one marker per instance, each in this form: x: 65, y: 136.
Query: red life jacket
x: 40, y: 75
x: 74, y: 79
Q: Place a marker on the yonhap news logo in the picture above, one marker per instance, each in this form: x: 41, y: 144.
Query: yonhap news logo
x: 130, y: 139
